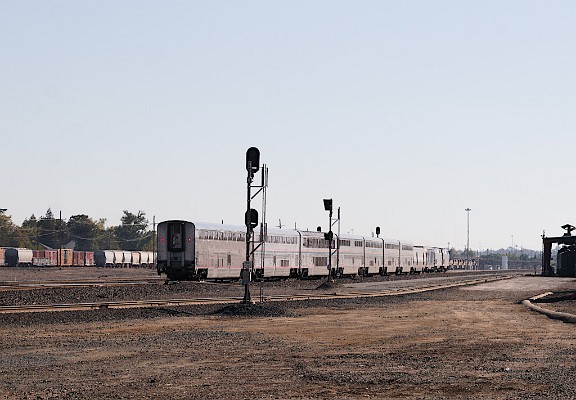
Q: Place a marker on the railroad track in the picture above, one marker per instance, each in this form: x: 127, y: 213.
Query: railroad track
x: 28, y: 285
x: 225, y: 300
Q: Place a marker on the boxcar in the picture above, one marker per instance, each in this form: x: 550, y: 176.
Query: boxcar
x: 78, y: 258
x: 44, y: 258
x: 65, y: 257
x: 89, y: 259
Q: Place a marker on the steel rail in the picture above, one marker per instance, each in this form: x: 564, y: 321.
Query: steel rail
x: 225, y: 300
x: 13, y: 286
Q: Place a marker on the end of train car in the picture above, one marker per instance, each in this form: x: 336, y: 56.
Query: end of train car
x: 176, y: 249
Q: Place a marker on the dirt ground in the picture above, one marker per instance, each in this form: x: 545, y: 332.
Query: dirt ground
x: 450, y: 344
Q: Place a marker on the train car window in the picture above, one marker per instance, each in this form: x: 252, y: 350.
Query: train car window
x: 284, y: 263
x: 320, y: 261
x: 229, y: 260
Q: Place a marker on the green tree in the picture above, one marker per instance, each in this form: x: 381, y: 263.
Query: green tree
x: 52, y: 232
x: 133, y: 233
x: 30, y: 228
x: 84, y: 231
x: 12, y: 235
x: 106, y: 239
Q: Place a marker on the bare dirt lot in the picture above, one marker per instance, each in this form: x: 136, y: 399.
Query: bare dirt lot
x: 449, y: 344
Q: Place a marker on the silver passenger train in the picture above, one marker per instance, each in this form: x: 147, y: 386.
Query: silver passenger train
x: 189, y: 250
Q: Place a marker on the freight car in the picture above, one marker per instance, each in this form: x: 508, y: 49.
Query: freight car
x: 120, y: 258
x: 17, y: 257
x: 71, y: 258
x: 189, y: 250
x: 45, y: 258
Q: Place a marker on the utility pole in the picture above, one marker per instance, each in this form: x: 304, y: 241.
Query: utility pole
x: 2, y: 211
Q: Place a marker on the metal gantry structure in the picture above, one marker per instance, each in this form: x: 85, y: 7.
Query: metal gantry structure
x: 547, y: 242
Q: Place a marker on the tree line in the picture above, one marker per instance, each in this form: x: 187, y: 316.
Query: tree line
x: 80, y: 232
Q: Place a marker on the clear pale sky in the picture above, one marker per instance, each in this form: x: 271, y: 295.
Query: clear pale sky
x: 404, y: 112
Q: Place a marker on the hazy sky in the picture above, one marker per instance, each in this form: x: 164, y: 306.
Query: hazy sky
x: 404, y: 112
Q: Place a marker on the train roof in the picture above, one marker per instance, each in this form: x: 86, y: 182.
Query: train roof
x: 283, y: 232
x: 241, y: 228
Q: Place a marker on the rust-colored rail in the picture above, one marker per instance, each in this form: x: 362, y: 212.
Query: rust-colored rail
x: 224, y: 300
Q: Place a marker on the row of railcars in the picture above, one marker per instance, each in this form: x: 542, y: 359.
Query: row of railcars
x: 189, y: 250
x: 123, y: 258
x: 17, y: 257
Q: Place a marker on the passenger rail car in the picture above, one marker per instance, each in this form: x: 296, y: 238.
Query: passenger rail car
x: 189, y: 250
x: 430, y: 259
x: 176, y: 250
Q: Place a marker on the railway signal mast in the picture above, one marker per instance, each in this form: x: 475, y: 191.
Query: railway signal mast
x: 468, y: 209
x: 251, y: 217
x: 329, y: 236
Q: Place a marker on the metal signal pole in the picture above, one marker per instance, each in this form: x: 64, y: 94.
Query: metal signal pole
x: 468, y: 238
x: 251, y: 218
x: 328, y: 236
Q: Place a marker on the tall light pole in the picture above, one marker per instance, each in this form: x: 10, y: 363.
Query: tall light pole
x: 468, y: 237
